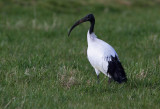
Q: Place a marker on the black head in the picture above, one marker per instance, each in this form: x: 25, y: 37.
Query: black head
x: 89, y: 17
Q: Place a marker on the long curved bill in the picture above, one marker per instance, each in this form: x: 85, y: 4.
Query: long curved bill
x: 77, y: 23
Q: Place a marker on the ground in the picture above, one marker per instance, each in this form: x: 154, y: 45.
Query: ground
x: 41, y: 67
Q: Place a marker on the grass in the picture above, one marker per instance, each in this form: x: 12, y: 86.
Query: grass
x: 40, y: 67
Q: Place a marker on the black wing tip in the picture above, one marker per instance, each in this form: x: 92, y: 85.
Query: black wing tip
x: 123, y: 81
x: 116, y: 70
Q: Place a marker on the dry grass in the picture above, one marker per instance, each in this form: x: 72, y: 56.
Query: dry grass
x: 67, y: 77
x: 142, y: 74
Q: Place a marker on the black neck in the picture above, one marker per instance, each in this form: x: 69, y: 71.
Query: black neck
x: 92, y: 27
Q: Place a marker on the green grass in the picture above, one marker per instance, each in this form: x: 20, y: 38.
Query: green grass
x: 41, y: 67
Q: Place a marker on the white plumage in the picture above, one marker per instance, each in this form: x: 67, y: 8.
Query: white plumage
x: 99, y: 53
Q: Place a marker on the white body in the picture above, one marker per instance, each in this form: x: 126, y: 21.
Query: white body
x: 99, y: 53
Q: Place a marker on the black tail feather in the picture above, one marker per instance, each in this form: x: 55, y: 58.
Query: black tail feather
x: 116, y: 70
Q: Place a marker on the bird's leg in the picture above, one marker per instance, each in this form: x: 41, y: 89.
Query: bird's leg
x: 110, y: 80
x: 97, y: 79
x: 97, y: 72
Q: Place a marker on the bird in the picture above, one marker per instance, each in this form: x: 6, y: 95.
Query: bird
x: 102, y: 56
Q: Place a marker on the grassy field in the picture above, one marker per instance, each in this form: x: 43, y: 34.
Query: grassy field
x: 40, y: 67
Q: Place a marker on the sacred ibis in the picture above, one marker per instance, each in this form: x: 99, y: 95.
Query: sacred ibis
x: 101, y: 55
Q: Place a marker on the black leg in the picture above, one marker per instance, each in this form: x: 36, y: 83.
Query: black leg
x: 98, y: 79
x: 110, y: 80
